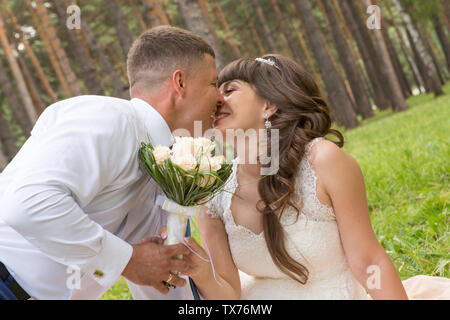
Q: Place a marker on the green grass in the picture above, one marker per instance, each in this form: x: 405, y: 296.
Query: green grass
x: 405, y: 161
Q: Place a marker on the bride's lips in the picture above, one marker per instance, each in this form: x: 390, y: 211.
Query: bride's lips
x: 220, y: 116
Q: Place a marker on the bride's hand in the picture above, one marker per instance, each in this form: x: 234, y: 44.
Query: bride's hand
x: 199, y: 263
x: 199, y: 268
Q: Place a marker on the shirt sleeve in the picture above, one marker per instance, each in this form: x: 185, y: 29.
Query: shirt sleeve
x: 68, y: 160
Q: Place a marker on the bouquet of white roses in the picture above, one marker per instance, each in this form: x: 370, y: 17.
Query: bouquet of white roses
x: 189, y: 176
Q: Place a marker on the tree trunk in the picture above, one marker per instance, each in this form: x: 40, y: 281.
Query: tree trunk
x: 252, y: 29
x: 426, y: 38
x: 138, y: 14
x: 406, y: 52
x: 118, y: 19
x: 53, y: 60
x: 447, y: 12
x: 32, y: 115
x: 336, y: 63
x: 443, y: 39
x: 397, y: 98
x: 34, y: 60
x: 156, y: 13
x: 105, y: 63
x: 376, y: 57
x: 212, y: 28
x: 7, y: 139
x: 424, y: 35
x: 295, y: 51
x: 87, y: 69
x: 57, y: 47
x: 368, y: 54
x: 420, y: 65
x: 264, y: 26
x: 406, y: 89
x: 31, y: 86
x: 431, y: 71
x: 229, y: 34
x: 312, y: 68
x: 3, y: 161
x: 353, y: 47
x: 195, y: 21
x: 13, y: 101
x: 343, y: 112
x: 362, y: 103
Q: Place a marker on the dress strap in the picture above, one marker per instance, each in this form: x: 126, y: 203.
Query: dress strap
x: 311, y: 144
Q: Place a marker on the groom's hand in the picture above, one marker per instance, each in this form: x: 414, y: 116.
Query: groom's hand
x: 152, y: 261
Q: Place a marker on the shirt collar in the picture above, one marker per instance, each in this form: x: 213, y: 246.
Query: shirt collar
x: 153, y: 122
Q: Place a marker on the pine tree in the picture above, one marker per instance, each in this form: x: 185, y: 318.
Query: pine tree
x: 342, y: 108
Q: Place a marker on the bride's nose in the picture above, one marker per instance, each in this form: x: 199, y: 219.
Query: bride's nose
x: 220, y: 99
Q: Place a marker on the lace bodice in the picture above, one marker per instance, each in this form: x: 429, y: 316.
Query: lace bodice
x: 305, y: 187
x: 312, y: 239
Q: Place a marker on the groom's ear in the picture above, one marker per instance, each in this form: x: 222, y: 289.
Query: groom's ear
x: 179, y: 82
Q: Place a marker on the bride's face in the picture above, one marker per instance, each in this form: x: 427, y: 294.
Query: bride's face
x: 242, y: 107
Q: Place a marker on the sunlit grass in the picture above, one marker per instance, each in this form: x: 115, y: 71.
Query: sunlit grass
x: 405, y: 162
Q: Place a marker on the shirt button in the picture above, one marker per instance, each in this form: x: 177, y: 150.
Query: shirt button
x: 98, y: 273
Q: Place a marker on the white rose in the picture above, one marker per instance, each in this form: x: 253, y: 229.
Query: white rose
x: 216, y: 162
x: 185, y: 161
x: 205, y: 164
x: 203, y: 146
x: 211, y: 163
x: 161, y: 153
x: 182, y: 146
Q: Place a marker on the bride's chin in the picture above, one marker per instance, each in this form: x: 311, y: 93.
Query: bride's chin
x: 223, y: 125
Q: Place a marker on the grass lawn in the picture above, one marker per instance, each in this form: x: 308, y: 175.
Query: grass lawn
x: 405, y: 159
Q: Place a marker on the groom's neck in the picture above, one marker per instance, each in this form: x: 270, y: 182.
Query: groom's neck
x: 161, y: 103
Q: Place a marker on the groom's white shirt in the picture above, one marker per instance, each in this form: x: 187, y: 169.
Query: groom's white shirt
x: 75, y: 195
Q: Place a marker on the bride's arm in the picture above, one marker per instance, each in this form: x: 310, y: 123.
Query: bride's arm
x: 215, y: 236
x: 343, y: 181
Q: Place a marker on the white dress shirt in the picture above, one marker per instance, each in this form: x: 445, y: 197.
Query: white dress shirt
x: 74, y: 195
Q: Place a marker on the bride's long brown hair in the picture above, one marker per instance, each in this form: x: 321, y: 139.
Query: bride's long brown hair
x: 302, y: 115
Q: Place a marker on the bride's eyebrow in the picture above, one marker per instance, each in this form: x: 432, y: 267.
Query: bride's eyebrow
x: 231, y: 82
x: 227, y: 83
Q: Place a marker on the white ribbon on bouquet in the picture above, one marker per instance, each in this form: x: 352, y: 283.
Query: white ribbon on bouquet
x: 178, y: 217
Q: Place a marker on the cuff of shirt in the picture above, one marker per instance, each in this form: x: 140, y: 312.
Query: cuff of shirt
x: 108, y: 265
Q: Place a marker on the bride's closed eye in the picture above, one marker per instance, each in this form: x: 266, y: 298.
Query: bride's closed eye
x: 229, y: 90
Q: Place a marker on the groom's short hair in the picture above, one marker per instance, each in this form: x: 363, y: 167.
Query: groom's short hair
x: 161, y: 50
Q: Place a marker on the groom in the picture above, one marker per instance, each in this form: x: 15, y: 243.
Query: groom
x: 74, y: 202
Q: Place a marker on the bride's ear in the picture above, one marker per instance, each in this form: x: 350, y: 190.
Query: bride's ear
x: 270, y: 108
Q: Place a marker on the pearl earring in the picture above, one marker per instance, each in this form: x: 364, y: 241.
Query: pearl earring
x: 267, y: 124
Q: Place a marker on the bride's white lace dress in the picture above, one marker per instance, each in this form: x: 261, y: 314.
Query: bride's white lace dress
x: 313, y: 240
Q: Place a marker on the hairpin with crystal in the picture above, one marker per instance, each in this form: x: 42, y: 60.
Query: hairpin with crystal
x: 268, y: 61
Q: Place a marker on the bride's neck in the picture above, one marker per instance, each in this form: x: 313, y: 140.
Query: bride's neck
x: 248, y: 161
x: 251, y: 170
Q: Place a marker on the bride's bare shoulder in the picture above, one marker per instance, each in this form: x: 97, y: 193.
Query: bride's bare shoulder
x: 326, y: 157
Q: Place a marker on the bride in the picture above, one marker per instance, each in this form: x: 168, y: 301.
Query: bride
x: 305, y: 231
